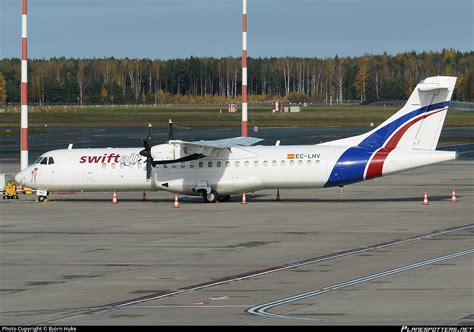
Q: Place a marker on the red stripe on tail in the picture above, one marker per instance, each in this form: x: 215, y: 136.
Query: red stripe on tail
x: 376, y: 164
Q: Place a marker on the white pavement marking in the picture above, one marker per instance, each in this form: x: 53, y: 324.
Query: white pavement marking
x: 289, y: 266
x: 262, y: 309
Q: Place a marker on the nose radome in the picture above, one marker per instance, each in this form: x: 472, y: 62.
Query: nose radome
x: 19, y: 178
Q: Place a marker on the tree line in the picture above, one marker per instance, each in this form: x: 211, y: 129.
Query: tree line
x: 365, y: 78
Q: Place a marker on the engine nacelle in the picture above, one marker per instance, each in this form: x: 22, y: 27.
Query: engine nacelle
x: 164, y: 152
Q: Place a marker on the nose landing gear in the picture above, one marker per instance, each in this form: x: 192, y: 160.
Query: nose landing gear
x: 42, y: 196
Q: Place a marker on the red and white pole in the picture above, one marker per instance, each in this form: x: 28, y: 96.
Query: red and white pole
x: 244, y: 68
x: 24, y: 89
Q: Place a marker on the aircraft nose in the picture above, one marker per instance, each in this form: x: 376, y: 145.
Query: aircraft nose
x: 20, y: 177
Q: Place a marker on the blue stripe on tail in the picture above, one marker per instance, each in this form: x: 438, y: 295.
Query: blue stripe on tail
x: 351, y: 164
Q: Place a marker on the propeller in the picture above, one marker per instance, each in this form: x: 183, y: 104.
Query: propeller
x: 147, y: 143
x: 146, y: 152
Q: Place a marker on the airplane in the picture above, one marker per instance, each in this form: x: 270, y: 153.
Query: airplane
x: 220, y: 168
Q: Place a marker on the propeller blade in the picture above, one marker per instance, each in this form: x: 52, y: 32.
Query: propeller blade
x: 148, y: 168
x: 146, y: 145
x: 170, y: 130
x: 148, y: 138
x: 146, y: 152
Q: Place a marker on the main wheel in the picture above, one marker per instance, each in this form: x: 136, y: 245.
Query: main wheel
x: 41, y: 199
x: 211, y: 197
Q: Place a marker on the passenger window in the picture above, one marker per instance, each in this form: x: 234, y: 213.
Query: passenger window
x: 246, y: 164
x: 292, y: 163
x: 201, y: 164
x: 265, y: 163
x: 104, y: 165
x: 113, y: 165
x: 308, y: 162
x: 130, y: 165
x: 209, y: 164
x: 44, y: 161
x: 300, y: 162
x: 255, y: 163
x: 183, y: 165
x: 218, y: 164
x: 50, y: 161
x: 227, y: 164
x: 191, y: 164
x: 122, y: 165
x: 317, y: 161
x: 274, y: 163
x: 283, y: 163
x: 173, y: 165
x: 165, y: 166
x: 237, y: 163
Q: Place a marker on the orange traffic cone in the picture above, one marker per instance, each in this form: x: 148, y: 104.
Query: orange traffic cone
x: 453, y: 197
x: 278, y: 195
x: 244, y: 199
x: 114, y: 198
x: 176, y: 204
x: 144, y: 196
x: 425, y: 200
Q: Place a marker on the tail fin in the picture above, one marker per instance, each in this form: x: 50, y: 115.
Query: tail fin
x: 417, y: 126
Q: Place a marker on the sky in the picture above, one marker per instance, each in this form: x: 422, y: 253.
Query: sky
x: 165, y: 29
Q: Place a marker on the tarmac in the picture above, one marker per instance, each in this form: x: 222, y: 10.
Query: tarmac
x: 377, y: 256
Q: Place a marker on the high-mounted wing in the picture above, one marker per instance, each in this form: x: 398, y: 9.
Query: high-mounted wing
x: 226, y: 142
x: 179, y: 151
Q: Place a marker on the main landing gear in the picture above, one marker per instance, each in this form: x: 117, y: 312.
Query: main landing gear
x: 213, y: 197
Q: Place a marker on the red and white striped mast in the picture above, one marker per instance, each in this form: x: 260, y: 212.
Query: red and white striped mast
x: 24, y: 89
x: 244, y: 68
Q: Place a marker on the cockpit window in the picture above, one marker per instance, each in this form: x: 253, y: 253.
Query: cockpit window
x: 44, y: 161
x: 50, y: 161
x: 38, y: 160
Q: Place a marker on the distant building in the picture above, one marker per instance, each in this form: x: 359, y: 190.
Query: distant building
x: 292, y: 109
x: 232, y: 108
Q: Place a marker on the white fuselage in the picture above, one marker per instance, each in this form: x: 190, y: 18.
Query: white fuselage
x: 228, y: 171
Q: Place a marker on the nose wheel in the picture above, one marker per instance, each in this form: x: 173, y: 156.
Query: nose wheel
x: 42, y: 199
x: 42, y: 196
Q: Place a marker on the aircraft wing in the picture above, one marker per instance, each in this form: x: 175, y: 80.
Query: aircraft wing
x: 221, y: 143
x: 179, y: 151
